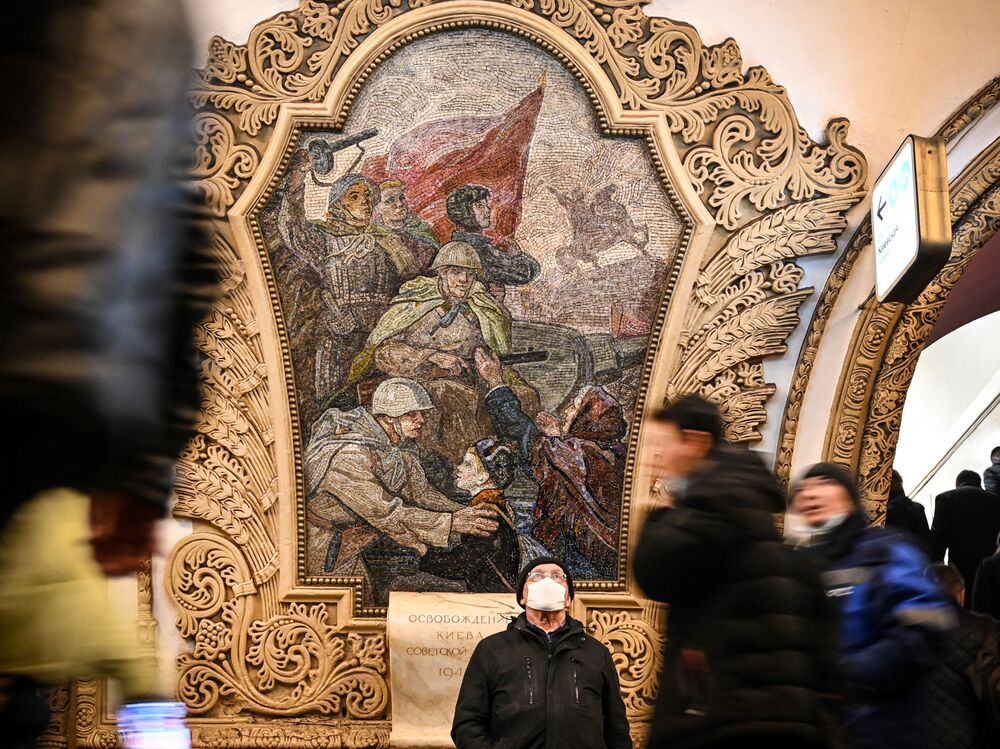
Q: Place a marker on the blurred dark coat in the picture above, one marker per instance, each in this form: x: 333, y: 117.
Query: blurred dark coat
x: 986, y: 587
x: 750, y: 652
x: 957, y: 719
x: 911, y: 517
x: 579, y: 475
x: 894, y: 625
x: 102, y: 275
x: 991, y: 478
x: 966, y: 523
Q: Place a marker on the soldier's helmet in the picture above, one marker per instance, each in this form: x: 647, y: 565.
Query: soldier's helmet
x: 458, y: 255
x: 398, y: 395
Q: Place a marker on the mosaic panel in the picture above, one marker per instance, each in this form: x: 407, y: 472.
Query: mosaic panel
x: 470, y: 204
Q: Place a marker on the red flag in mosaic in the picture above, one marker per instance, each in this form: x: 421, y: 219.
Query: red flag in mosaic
x: 436, y: 158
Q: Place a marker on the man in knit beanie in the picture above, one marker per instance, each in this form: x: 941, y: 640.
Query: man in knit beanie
x: 893, y: 621
x: 530, y: 567
x: 544, y: 682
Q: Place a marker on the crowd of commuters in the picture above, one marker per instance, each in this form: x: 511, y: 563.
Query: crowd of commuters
x: 839, y: 635
x: 835, y: 634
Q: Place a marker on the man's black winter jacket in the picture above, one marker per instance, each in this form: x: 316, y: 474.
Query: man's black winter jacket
x: 521, y: 693
x: 957, y: 719
x: 750, y: 654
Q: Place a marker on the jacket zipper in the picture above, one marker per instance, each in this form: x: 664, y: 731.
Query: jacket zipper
x: 531, y: 682
x: 576, y: 687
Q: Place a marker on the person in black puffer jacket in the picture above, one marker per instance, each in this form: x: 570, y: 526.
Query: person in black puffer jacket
x: 750, y: 653
x: 544, y: 683
x: 957, y: 718
x: 106, y: 268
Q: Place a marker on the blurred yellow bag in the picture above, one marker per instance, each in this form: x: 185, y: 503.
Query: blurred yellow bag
x: 57, y: 617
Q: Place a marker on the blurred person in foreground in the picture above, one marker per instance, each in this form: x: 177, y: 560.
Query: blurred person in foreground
x: 750, y: 657
x: 966, y: 524
x: 958, y: 719
x: 544, y: 682
x: 103, y: 276
x: 894, y: 622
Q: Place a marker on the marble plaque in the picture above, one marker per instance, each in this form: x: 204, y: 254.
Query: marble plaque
x: 431, y: 638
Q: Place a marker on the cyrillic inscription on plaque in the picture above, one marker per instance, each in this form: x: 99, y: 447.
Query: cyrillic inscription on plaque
x: 431, y: 638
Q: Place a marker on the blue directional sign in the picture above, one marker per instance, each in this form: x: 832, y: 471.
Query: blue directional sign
x: 911, y: 225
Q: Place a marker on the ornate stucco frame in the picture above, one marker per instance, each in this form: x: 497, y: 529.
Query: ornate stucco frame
x: 755, y: 190
x: 888, y: 339
x: 333, y: 111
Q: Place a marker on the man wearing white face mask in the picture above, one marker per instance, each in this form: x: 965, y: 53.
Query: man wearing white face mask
x: 544, y: 682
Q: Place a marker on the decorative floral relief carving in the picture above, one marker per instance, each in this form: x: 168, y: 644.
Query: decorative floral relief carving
x: 221, y: 164
x: 844, y: 445
x: 970, y: 111
x: 745, y: 305
x: 226, y: 475
x: 292, y: 663
x: 291, y: 57
x: 963, y: 196
x: 317, y: 736
x: 92, y: 732
x: 59, y: 701
x: 636, y: 647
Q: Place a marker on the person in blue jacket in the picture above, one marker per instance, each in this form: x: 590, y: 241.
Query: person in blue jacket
x: 894, y: 622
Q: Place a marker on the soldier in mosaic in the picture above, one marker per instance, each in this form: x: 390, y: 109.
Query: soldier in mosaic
x: 504, y: 263
x: 431, y: 333
x: 338, y: 277
x: 394, y: 217
x: 367, y: 497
